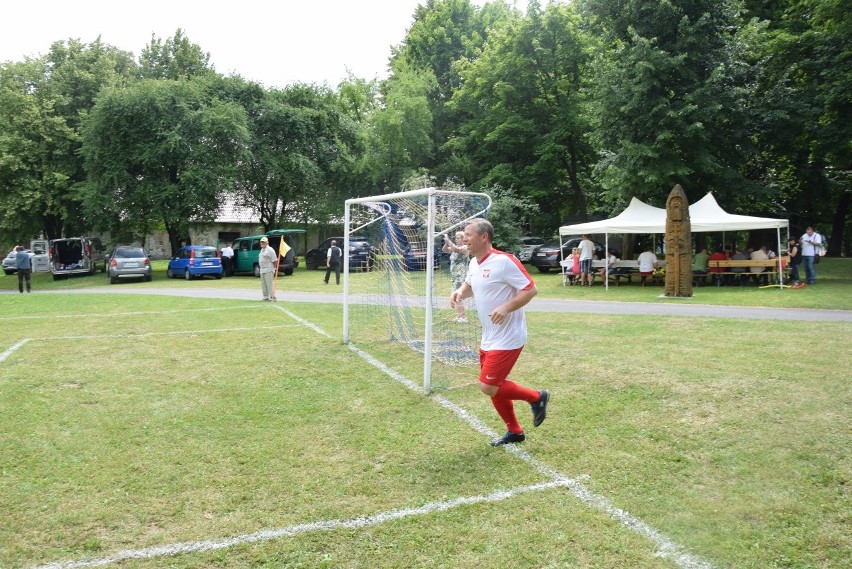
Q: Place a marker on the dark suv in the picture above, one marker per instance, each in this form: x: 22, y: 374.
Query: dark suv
x: 547, y: 256
x: 362, y: 256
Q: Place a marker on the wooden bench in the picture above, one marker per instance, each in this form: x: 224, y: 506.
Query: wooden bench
x: 725, y: 267
x: 632, y: 268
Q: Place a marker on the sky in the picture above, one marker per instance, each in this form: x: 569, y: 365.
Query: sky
x: 275, y: 43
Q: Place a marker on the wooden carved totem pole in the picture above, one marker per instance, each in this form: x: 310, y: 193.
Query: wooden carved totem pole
x: 678, y: 245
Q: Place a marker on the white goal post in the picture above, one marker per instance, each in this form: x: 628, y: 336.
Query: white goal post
x: 397, y: 280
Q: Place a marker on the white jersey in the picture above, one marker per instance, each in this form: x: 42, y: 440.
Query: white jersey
x: 495, y: 282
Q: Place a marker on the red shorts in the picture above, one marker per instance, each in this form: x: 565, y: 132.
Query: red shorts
x: 645, y: 274
x: 495, y: 365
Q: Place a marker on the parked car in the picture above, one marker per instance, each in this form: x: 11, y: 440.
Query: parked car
x: 362, y: 255
x: 528, y: 244
x: 247, y: 249
x: 128, y: 262
x: 76, y: 256
x: 9, y: 261
x: 547, y: 256
x: 195, y: 261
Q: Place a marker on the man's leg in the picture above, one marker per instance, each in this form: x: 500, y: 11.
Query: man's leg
x: 337, y: 272
x: 21, y: 281
x: 265, y: 285
x: 27, y: 277
x: 327, y: 273
x: 495, y: 367
x: 810, y: 277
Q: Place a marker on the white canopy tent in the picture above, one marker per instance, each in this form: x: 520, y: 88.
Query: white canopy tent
x: 705, y: 216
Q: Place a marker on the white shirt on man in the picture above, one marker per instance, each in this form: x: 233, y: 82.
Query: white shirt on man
x: 810, y: 244
x: 587, y: 249
x: 647, y: 262
x: 495, y: 282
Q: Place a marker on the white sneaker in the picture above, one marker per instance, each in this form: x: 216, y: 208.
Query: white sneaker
x: 461, y: 319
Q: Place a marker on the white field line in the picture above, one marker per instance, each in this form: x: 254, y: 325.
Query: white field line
x: 115, y: 314
x: 174, y: 333
x: 13, y: 349
x: 289, y: 531
x: 666, y: 548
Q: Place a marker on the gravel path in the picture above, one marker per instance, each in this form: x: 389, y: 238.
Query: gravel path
x: 668, y: 308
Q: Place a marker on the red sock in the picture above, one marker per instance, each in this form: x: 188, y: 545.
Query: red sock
x: 506, y: 410
x: 511, y: 390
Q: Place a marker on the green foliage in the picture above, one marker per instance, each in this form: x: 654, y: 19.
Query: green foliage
x: 161, y: 151
x: 524, y: 101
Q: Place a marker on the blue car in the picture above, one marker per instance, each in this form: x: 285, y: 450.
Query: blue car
x: 195, y: 261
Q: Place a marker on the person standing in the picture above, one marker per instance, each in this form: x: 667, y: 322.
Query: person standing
x: 24, y: 266
x: 228, y: 260
x: 459, y: 261
x: 811, y: 243
x: 268, y: 261
x: 795, y: 254
x: 587, y: 253
x: 332, y: 261
x: 502, y: 287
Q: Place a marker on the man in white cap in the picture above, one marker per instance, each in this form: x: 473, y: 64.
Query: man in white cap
x: 268, y: 260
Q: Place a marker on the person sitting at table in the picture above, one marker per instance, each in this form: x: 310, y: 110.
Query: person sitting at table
x: 611, y: 260
x: 571, y: 266
x: 759, y: 255
x: 699, y: 267
x: 718, y: 278
x: 647, y: 264
x: 740, y: 255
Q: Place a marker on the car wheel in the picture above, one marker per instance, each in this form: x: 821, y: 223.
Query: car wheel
x: 170, y: 274
x: 544, y: 269
x: 148, y: 278
x: 113, y: 280
x: 187, y: 275
x: 310, y: 265
x: 56, y: 277
x: 288, y: 272
x: 257, y: 270
x: 8, y: 272
x: 219, y: 276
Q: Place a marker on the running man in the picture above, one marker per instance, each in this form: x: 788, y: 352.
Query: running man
x: 501, y: 287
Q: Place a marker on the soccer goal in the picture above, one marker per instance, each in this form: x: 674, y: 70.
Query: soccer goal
x: 397, y: 303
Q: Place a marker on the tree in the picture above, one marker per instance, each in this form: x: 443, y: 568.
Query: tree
x: 44, y: 101
x: 666, y: 110
x: 524, y: 99
x: 161, y: 151
x: 400, y: 130
x: 297, y: 154
x: 174, y: 58
x: 443, y: 34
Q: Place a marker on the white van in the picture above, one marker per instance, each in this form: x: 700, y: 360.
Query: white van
x: 77, y: 256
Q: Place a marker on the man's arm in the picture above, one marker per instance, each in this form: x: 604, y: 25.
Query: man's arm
x: 461, y: 293
x: 498, y: 315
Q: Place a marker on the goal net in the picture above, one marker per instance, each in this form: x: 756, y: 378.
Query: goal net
x: 396, y: 302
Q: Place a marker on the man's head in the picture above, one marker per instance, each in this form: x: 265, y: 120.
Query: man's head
x: 264, y: 241
x: 478, y: 235
x: 333, y: 242
x: 809, y: 230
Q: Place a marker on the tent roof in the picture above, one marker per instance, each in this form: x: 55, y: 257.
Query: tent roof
x: 705, y: 216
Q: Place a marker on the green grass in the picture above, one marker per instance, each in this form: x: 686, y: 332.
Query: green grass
x: 129, y: 422
x: 833, y: 289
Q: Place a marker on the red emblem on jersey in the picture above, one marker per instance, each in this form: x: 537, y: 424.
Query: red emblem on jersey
x: 486, y: 273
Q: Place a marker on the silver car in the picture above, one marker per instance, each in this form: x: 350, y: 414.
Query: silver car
x: 9, y: 261
x: 128, y: 262
x: 527, y: 246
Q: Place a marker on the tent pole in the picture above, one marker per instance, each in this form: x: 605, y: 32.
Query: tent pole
x: 606, y: 261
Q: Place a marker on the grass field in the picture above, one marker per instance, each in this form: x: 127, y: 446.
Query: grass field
x: 142, y: 431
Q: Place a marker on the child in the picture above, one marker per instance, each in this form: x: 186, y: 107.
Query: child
x: 573, y: 265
